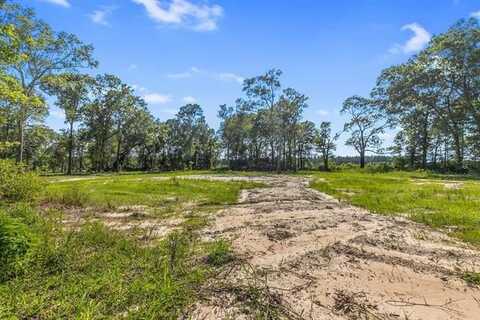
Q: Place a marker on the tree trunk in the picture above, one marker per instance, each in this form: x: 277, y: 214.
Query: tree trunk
x: 425, y: 142
x: 458, y: 150
x: 362, y: 159
x: 22, y: 141
x: 70, y: 150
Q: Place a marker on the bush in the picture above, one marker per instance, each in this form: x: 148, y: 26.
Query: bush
x: 16, y: 241
x: 16, y: 183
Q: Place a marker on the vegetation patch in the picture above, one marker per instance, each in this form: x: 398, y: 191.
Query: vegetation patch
x: 112, y: 191
x: 472, y: 278
x: 219, y: 253
x: 399, y: 193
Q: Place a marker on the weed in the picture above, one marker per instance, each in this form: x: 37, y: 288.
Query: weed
x: 219, y: 253
x: 472, y: 278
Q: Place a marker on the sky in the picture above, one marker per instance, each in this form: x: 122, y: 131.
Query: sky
x: 175, y: 52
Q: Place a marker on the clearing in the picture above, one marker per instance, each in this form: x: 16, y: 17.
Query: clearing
x: 203, y: 245
x: 305, y: 255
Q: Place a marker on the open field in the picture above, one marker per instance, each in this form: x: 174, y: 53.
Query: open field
x: 152, y: 190
x: 228, y: 245
x: 112, y: 247
x: 449, y: 202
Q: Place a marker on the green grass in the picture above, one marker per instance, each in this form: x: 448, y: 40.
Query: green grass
x: 98, y: 273
x: 421, y: 196
x: 472, y: 278
x: 141, y: 189
x: 50, y: 272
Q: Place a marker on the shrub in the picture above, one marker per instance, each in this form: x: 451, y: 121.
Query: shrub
x: 16, y: 241
x: 16, y: 183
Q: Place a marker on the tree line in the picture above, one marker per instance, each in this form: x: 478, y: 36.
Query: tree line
x: 108, y: 127
x: 431, y: 102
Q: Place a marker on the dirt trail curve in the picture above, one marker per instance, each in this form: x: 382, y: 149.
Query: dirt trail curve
x: 328, y: 260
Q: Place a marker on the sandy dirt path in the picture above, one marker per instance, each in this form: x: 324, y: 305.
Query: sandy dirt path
x: 324, y: 259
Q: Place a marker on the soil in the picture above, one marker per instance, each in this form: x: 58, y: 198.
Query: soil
x: 313, y: 257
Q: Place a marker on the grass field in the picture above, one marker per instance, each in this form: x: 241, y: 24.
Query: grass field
x: 141, y: 189
x: 449, y: 202
x: 94, y: 272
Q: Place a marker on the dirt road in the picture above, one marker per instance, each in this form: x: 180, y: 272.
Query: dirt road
x: 321, y: 259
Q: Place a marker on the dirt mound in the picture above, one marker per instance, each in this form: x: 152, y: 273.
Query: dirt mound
x: 316, y: 258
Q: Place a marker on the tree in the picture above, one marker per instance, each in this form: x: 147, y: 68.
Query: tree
x: 262, y: 130
x: 72, y: 91
x: 11, y: 91
x: 289, y: 111
x: 263, y: 92
x: 364, y: 125
x: 44, y: 53
x: 325, y: 142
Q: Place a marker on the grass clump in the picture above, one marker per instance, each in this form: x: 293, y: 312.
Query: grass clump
x: 219, y: 253
x: 472, y: 278
x: 425, y: 198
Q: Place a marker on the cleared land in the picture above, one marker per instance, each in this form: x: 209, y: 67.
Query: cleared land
x: 305, y: 255
x: 448, y: 202
x: 253, y: 246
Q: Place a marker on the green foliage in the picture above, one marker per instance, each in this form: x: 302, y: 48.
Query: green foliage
x: 472, y: 278
x: 449, y: 202
x: 16, y: 183
x: 219, y: 253
x: 16, y: 241
x: 73, y: 196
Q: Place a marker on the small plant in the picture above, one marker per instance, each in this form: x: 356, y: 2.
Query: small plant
x: 220, y: 253
x: 472, y: 278
x: 176, y: 247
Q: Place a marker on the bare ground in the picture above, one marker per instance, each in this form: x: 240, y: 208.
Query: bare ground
x: 304, y: 255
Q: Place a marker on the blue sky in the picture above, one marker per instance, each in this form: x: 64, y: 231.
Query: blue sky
x: 179, y: 51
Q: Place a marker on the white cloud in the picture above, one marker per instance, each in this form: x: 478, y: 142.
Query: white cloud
x: 63, y: 3
x: 184, y: 75
x: 157, y: 98
x: 181, y: 75
x: 230, y: 77
x: 100, y: 16
x: 189, y: 99
x: 222, y: 76
x: 475, y: 14
x: 416, y: 43
x: 322, y: 113
x: 132, y: 67
x: 199, y: 17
